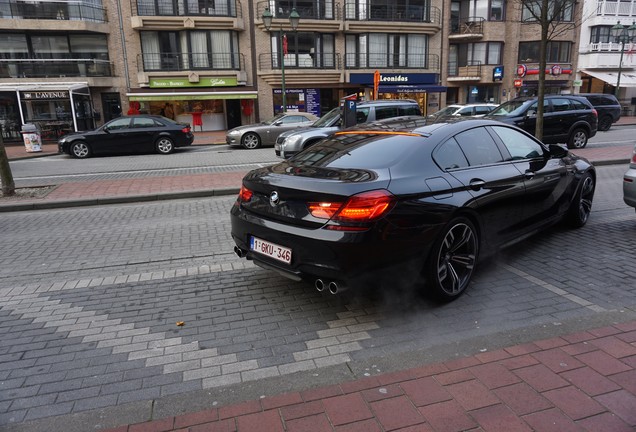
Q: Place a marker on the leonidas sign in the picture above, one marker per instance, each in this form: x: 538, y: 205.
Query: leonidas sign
x: 183, y: 82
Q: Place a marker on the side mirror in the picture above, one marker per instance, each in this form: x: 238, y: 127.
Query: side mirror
x: 278, y: 123
x: 556, y: 151
x: 531, y: 113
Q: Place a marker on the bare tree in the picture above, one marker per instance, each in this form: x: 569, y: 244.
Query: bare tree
x: 6, y: 177
x: 554, y: 18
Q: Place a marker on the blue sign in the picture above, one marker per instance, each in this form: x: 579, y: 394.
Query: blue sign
x: 395, y: 78
x: 497, y: 73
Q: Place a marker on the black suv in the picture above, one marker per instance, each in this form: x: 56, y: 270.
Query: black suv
x: 607, y: 106
x: 566, y: 119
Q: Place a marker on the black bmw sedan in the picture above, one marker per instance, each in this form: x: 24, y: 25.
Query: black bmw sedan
x: 419, y: 205
x: 125, y: 135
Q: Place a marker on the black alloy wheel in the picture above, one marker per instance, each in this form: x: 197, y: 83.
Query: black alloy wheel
x: 164, y: 145
x: 80, y: 150
x: 604, y: 123
x: 581, y: 206
x: 453, y: 260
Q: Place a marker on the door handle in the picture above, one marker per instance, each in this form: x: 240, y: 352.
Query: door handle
x: 529, y: 174
x: 476, y: 184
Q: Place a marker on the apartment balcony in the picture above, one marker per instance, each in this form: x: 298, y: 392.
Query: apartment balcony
x: 425, y: 63
x: 471, y: 28
x: 193, y: 14
x: 301, y: 68
x: 413, y: 18
x: 55, y: 68
x: 180, y: 62
x: 52, y: 10
x: 469, y: 71
x: 616, y: 8
x: 319, y: 16
x: 607, y: 56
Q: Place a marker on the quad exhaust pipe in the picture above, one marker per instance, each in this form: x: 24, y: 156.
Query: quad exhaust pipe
x: 333, y: 287
x: 239, y: 252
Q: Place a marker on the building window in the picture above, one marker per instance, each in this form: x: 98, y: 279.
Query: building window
x: 557, y: 11
x: 484, y: 53
x: 387, y: 10
x: 307, y: 9
x: 496, y: 10
x: 601, y: 34
x: 305, y: 50
x: 385, y: 50
x: 557, y: 52
x: 186, y: 50
x: 186, y: 7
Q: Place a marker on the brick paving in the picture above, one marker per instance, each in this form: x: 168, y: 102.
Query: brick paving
x: 578, y: 382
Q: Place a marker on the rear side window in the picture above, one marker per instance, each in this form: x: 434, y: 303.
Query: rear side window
x: 579, y: 105
x: 560, y: 105
x: 479, y: 147
x: 142, y: 122
x: 386, y: 112
x: 362, y: 115
x: 449, y: 156
x: 410, y: 110
x: 482, y: 110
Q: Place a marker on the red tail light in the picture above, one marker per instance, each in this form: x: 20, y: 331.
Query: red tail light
x: 595, y: 112
x: 364, y: 207
x: 186, y: 130
x: 634, y: 156
x: 245, y: 194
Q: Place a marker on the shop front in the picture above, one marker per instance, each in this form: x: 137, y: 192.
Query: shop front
x: 317, y: 100
x: 422, y: 87
x: 55, y: 109
x: 209, y: 104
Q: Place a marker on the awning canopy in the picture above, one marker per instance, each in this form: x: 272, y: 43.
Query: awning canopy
x: 411, y: 88
x: 628, y: 79
x: 191, y: 96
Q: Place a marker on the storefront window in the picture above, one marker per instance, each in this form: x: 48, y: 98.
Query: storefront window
x: 10, y: 124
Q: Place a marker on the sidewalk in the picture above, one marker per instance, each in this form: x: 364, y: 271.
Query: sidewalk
x: 579, y: 382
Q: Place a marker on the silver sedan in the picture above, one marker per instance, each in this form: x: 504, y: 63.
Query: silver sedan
x: 629, y: 182
x: 265, y: 133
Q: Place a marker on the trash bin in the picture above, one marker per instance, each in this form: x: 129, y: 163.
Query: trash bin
x: 32, y: 138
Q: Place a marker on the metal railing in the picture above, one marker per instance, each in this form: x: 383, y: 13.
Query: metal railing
x: 616, y: 8
x: 227, y: 8
x: 610, y: 47
x: 412, y: 13
x: 397, y: 60
x: 464, y: 69
x: 54, y: 68
x: 52, y: 10
x: 271, y: 61
x: 467, y: 26
x: 169, y: 61
x: 318, y: 11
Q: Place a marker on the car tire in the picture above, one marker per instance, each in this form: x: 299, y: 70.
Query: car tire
x: 80, y: 150
x: 164, y: 145
x: 578, y: 139
x: 251, y: 141
x: 604, y: 123
x: 581, y: 207
x: 452, y: 260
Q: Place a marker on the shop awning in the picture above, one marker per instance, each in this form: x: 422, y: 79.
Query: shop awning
x: 411, y: 88
x: 628, y: 79
x: 141, y: 97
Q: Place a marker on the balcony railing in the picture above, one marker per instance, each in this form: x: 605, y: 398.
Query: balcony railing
x: 270, y: 61
x: 226, y: 8
x: 176, y: 62
x: 318, y: 10
x: 467, y: 26
x: 616, y: 8
x: 54, y: 68
x: 387, y: 61
x: 467, y: 69
x: 52, y: 10
x: 392, y: 13
x: 611, y: 47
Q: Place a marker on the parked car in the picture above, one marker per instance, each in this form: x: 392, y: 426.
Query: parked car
x: 265, y: 133
x: 456, y: 110
x: 607, y: 107
x: 629, y: 182
x: 290, y: 143
x: 124, y: 135
x: 566, y: 119
x: 374, y: 204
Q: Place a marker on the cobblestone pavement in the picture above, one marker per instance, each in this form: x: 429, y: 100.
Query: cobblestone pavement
x: 92, y: 298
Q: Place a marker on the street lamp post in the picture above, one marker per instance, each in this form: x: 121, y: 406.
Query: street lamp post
x: 622, y: 35
x: 294, y: 19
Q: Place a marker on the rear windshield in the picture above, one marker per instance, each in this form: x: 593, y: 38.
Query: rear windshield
x: 360, y: 151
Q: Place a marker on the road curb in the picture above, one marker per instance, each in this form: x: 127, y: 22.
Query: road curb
x: 49, y: 205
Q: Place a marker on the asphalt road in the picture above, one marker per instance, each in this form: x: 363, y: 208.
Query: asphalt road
x: 193, y: 160
x: 90, y: 298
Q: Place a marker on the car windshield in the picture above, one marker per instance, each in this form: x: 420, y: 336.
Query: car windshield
x: 512, y: 107
x: 274, y: 119
x: 328, y: 119
x: 449, y: 110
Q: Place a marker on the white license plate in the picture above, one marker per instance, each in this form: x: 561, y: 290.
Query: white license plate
x: 272, y: 250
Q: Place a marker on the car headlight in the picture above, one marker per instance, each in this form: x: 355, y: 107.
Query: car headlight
x: 234, y: 132
x: 292, y: 140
